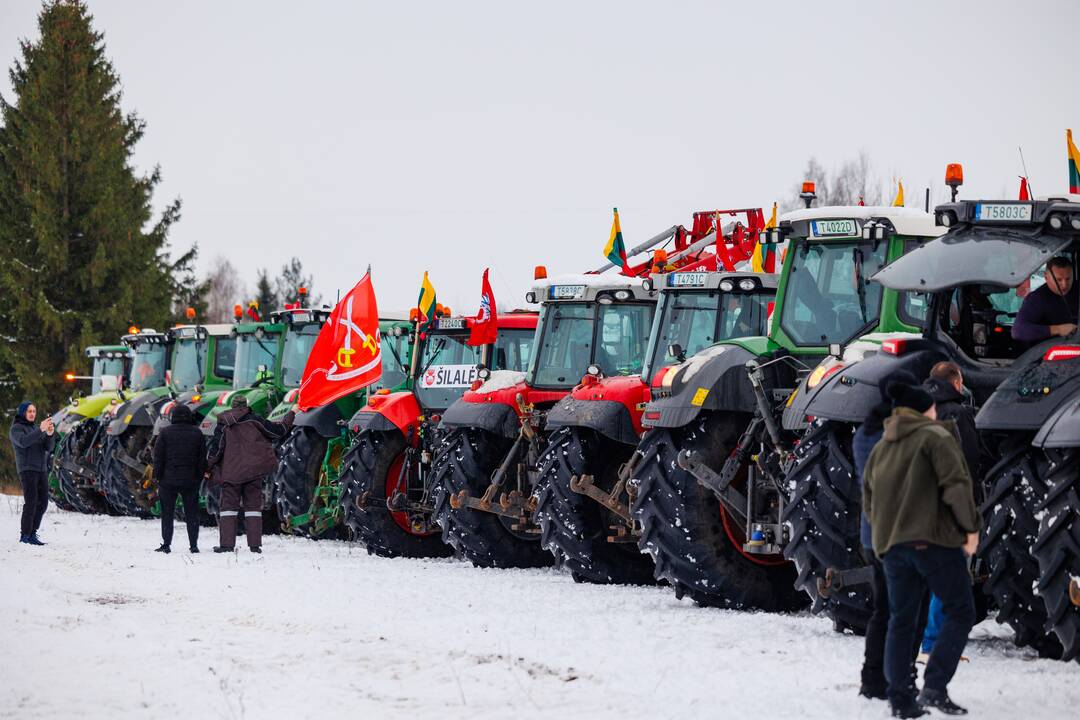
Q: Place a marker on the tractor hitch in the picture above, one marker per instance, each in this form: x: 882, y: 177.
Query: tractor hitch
x: 836, y: 580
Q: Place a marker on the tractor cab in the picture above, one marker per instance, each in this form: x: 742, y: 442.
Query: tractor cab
x: 111, y: 364
x: 302, y: 326
x: 256, y: 370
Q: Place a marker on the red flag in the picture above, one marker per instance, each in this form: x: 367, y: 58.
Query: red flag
x: 1025, y: 191
x: 484, y: 329
x: 346, y: 356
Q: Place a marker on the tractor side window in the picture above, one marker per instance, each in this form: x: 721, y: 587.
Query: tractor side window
x: 623, y: 335
x: 513, y: 350
x: 913, y: 308
x: 225, y: 358
x: 393, y: 375
x: 744, y: 316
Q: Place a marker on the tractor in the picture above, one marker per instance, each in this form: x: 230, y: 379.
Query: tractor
x: 109, y: 367
x: 306, y: 483
x: 387, y: 473
x: 708, y: 493
x: 582, y: 505
x: 488, y: 468
x: 972, y: 282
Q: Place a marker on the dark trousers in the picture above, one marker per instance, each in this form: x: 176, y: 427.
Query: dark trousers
x: 248, y: 498
x: 909, y: 571
x: 873, y: 670
x: 190, y: 498
x: 35, y: 488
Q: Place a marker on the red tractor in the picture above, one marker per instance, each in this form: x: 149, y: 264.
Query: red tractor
x: 386, y: 474
x: 591, y: 326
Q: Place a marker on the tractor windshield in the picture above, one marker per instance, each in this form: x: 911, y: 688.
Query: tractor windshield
x: 692, y: 321
x: 106, y: 366
x: 253, y: 353
x: 189, y: 363
x: 299, y: 340
x: 148, y: 366
x: 829, y: 298
x: 576, y: 335
x: 447, y: 367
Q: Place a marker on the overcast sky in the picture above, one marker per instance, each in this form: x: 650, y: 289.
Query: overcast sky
x: 453, y: 135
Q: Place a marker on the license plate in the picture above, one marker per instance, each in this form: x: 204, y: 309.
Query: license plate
x: 448, y: 376
x: 688, y: 280
x: 451, y: 323
x: 567, y: 292
x: 834, y: 228
x: 1000, y: 212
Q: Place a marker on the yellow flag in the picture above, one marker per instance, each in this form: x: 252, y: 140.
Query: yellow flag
x: 772, y: 220
x: 898, y: 201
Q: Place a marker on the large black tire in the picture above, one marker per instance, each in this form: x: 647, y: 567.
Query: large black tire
x: 123, y: 488
x: 70, y: 452
x: 466, y: 461
x: 293, y: 482
x: 574, y: 528
x: 682, y: 525
x: 823, y: 514
x: 1057, y: 550
x: 56, y: 491
x: 367, y: 468
x: 1014, y: 487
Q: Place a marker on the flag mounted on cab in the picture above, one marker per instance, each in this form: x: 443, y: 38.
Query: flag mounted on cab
x: 898, y: 201
x: 615, y: 250
x: 1074, y: 163
x: 347, y: 356
x: 426, y: 305
x: 484, y: 328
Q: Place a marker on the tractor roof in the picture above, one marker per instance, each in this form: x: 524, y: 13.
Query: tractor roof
x: 95, y: 351
x: 517, y: 319
x: 188, y: 331
x: 907, y: 221
x: 147, y: 335
x: 300, y: 315
x: 581, y: 287
x: 711, y: 281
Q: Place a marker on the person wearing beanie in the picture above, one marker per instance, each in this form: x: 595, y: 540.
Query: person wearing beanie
x: 867, y: 435
x: 32, y: 446
x: 241, y: 458
x: 179, y: 464
x: 917, y: 493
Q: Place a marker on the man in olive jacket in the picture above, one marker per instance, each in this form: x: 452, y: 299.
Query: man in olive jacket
x: 918, y: 496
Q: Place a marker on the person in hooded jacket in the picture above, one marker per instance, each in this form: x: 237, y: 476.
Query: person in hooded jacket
x: 243, y: 457
x: 917, y: 493
x: 32, y: 447
x: 179, y: 465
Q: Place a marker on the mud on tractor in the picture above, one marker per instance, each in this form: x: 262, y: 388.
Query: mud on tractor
x: 974, y: 280
x: 714, y: 506
x: 488, y: 469
x: 582, y: 500
x: 387, y: 474
x: 109, y: 367
x: 307, y: 485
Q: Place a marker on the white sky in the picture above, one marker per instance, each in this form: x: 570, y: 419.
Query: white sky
x: 453, y: 135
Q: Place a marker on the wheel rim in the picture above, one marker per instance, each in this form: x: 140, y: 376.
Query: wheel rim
x: 401, y: 518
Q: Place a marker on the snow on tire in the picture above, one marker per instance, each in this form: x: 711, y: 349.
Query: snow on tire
x: 1057, y: 549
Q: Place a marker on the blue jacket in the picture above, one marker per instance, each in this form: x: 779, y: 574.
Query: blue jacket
x: 32, y: 446
x: 864, y: 441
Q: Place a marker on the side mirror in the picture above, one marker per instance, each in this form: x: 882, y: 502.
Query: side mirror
x: 676, y: 351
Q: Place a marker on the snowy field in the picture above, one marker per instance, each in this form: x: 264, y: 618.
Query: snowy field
x: 97, y: 625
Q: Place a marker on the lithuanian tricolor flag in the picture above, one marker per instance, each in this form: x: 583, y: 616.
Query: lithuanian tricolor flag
x: 615, y: 251
x: 1074, y: 164
x: 764, y: 258
x: 426, y: 304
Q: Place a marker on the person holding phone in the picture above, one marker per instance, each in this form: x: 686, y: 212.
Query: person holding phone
x: 32, y: 447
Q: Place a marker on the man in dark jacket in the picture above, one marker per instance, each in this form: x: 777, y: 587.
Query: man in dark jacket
x: 946, y: 386
x: 179, y: 465
x: 243, y: 458
x: 918, y: 496
x: 32, y: 447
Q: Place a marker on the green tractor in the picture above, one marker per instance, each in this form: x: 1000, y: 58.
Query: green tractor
x: 714, y: 431
x: 109, y: 366
x: 80, y: 452
x: 195, y: 361
x: 306, y: 482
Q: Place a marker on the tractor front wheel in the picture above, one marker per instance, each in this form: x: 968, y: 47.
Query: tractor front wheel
x: 293, y: 482
x: 67, y: 458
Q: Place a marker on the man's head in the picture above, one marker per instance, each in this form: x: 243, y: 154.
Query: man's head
x: 904, y: 394
x: 27, y: 410
x: 1059, y: 275
x: 238, y: 401
x: 949, y: 372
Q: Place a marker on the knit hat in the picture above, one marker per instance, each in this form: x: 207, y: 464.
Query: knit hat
x: 238, y: 401
x: 23, y: 407
x: 906, y: 393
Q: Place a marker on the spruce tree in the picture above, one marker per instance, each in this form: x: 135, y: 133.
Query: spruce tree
x: 290, y: 281
x: 265, y: 295
x: 82, y: 256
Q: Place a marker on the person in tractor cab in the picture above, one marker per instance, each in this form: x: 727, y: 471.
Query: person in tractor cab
x: 918, y: 496
x: 244, y: 457
x: 1049, y: 311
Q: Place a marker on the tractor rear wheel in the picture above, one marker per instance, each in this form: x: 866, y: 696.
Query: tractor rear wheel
x: 466, y: 461
x: 694, y: 545
x: 293, y: 482
x: 1014, y: 488
x: 1057, y: 549
x: 824, y: 514
x: 81, y: 498
x: 125, y: 491
x: 574, y: 527
x: 369, y: 473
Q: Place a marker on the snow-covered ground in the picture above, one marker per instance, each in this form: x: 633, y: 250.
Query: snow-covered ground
x: 97, y: 625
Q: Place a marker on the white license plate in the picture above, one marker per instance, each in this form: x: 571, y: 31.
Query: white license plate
x: 564, y: 292
x: 1002, y: 212
x: 834, y: 228
x: 451, y: 323
x: 688, y: 280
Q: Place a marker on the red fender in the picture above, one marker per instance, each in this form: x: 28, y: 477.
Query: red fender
x: 400, y: 408
x: 631, y: 391
x: 508, y: 396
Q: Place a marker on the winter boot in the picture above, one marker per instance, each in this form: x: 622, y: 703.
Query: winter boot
x: 24, y: 538
x: 164, y: 549
x: 939, y: 700
x: 194, y: 548
x: 220, y: 549
x: 909, y: 709
x: 34, y: 540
